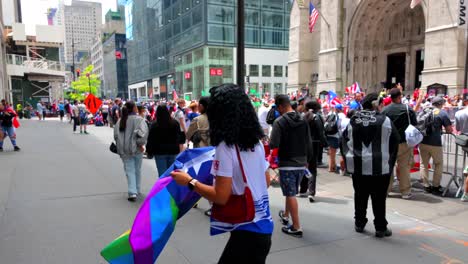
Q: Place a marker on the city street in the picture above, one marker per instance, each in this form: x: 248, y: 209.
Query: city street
x: 63, y: 198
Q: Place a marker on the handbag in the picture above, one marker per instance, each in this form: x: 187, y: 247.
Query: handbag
x: 239, y: 208
x: 412, y: 134
x: 461, y: 140
x: 113, y: 148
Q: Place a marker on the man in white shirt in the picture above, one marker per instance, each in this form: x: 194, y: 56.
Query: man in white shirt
x: 262, y: 116
x: 461, y: 118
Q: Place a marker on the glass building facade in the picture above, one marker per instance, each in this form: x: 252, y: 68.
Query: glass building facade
x: 115, y: 70
x: 189, y: 44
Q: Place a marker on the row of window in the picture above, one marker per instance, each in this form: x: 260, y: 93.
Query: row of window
x: 266, y: 71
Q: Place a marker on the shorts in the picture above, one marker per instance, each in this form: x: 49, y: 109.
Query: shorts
x: 181, y: 138
x: 290, y: 180
x: 62, y: 113
x: 333, y: 142
x: 84, y: 121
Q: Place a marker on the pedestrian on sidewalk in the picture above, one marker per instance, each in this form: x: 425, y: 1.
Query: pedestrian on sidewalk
x: 163, y: 142
x: 291, y: 136
x: 130, y: 135
x: 40, y: 110
x: 7, y: 114
x: 372, y: 142
x: 431, y: 147
x: 308, y: 186
x: 400, y: 115
x: 75, y: 114
x: 198, y: 131
x: 182, y: 119
x: 84, y: 120
x: 61, y: 107
x: 239, y: 158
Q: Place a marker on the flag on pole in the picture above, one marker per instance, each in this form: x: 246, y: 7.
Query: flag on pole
x: 414, y: 3
x: 333, y: 99
x: 165, y: 204
x: 353, y: 89
x: 313, y: 16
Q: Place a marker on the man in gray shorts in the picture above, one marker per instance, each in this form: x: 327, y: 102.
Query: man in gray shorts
x: 291, y: 135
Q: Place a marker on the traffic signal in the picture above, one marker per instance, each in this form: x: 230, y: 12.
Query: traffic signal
x: 78, y: 72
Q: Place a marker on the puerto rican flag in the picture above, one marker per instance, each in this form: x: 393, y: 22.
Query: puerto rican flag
x: 313, y: 16
x: 353, y: 89
x: 333, y: 99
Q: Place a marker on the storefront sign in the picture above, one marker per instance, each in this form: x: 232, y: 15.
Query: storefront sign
x: 462, y: 18
x: 216, y: 71
x: 188, y: 75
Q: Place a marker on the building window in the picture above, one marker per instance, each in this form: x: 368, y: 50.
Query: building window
x: 272, y: 38
x: 252, y: 36
x: 272, y: 20
x: 253, y: 70
x: 278, y: 89
x: 266, y: 70
x: 220, y: 33
x: 278, y: 71
x: 221, y: 14
x: 286, y: 71
x: 266, y: 88
x: 252, y: 17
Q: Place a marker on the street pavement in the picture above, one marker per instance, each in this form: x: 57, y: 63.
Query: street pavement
x: 63, y: 198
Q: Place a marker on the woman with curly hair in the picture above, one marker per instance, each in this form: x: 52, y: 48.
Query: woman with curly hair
x: 236, y: 133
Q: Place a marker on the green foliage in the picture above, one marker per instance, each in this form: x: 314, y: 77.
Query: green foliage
x: 84, y: 85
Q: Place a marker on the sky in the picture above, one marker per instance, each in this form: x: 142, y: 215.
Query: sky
x: 34, y: 11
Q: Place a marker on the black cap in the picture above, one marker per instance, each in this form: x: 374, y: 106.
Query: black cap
x: 395, y: 93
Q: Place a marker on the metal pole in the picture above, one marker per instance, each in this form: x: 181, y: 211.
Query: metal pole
x: 73, y: 55
x: 240, y: 43
x: 466, y: 63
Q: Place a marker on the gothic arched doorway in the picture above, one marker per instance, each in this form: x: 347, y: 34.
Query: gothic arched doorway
x: 386, y: 45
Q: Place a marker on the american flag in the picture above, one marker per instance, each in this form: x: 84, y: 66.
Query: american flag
x: 313, y: 16
x: 353, y: 89
x: 414, y: 3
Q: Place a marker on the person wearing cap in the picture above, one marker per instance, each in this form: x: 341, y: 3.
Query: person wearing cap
x: 401, y: 116
x: 371, y: 149
x: 431, y: 147
x: 356, y: 103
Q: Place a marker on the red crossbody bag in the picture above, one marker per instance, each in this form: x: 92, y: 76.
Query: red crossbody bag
x: 239, y: 208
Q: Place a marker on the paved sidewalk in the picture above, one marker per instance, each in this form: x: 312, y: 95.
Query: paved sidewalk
x: 63, y: 197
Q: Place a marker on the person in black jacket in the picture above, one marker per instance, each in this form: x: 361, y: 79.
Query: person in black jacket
x: 308, y: 186
x: 291, y: 135
x: 163, y: 139
x: 372, y: 147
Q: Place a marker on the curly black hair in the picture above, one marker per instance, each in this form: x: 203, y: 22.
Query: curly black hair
x: 232, y: 118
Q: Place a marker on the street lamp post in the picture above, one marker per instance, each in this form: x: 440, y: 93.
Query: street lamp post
x: 240, y: 43
x: 89, y: 81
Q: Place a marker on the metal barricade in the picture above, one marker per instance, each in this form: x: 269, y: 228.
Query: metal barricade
x: 454, y: 158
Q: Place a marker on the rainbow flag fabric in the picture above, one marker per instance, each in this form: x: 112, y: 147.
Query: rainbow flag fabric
x: 165, y: 204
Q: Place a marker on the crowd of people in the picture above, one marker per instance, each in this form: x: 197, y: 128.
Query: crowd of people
x: 366, y: 137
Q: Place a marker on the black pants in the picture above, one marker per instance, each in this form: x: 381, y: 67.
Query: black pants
x: 246, y: 247
x: 76, y: 122
x: 376, y: 187
x: 104, y: 118
x: 311, y: 184
x: 320, y: 155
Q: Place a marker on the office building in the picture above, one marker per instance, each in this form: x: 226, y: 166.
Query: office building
x: 83, y: 21
x: 4, y: 94
x: 378, y: 44
x: 189, y: 46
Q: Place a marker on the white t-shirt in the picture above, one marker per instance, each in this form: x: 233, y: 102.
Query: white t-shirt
x: 343, y: 122
x: 226, y: 164
x: 262, y: 116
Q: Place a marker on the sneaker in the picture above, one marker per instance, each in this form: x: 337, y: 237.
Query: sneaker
x: 17, y: 148
x: 437, y: 190
x: 464, y: 197
x: 303, y: 195
x: 311, y: 198
x: 284, y: 220
x: 289, y: 230
x: 81, y: 132
x: 386, y: 233
x: 86, y: 132
x: 132, y: 197
x: 359, y: 229
x: 407, y: 196
x: 1, y: 149
x: 428, y: 189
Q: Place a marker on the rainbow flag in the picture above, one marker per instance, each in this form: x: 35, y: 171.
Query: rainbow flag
x: 164, y: 205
